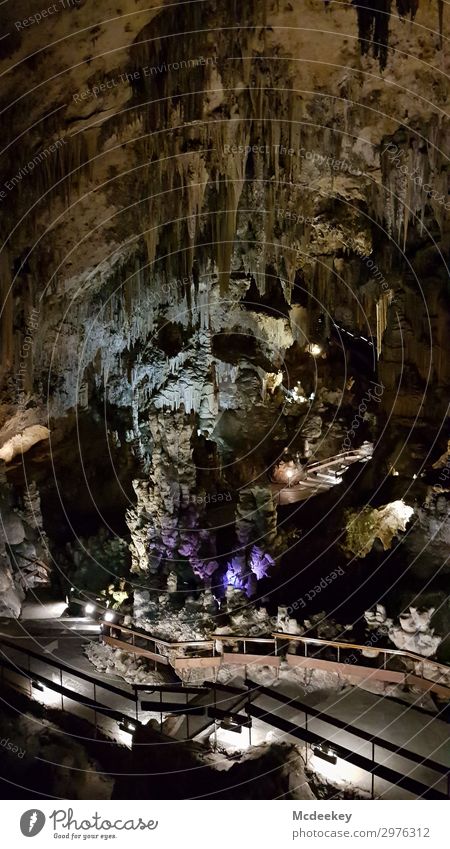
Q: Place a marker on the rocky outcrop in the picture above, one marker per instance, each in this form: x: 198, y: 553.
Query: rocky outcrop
x: 24, y: 555
x: 412, y: 632
x: 96, y: 563
x: 370, y: 523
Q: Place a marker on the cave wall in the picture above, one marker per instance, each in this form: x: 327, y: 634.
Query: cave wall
x: 160, y: 162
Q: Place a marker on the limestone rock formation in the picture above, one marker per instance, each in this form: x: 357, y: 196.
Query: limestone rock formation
x: 24, y: 554
x: 412, y: 632
x: 368, y: 524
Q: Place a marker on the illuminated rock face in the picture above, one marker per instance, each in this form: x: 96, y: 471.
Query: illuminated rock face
x: 181, y: 174
x: 366, y: 525
x: 22, y: 442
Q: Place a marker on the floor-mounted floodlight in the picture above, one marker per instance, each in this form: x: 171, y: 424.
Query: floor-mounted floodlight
x: 229, y: 725
x: 128, y: 726
x: 89, y: 608
x: 109, y: 616
x: 326, y: 753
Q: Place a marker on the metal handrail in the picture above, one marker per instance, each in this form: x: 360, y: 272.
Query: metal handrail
x: 342, y: 725
x: 328, y: 461
x: 272, y: 640
x: 65, y: 668
x: 233, y: 638
x: 335, y: 458
x: 146, y: 636
x: 375, y: 648
x: 371, y: 766
x: 441, y: 668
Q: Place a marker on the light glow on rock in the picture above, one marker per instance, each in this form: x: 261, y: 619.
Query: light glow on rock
x: 22, y: 442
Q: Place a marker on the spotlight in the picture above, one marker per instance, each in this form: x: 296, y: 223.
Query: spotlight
x: 127, y: 726
x: 229, y: 725
x: 326, y: 754
x: 314, y: 349
x: 289, y: 474
x: 109, y: 616
x: 89, y: 608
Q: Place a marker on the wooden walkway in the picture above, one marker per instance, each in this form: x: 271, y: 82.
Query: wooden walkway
x: 315, y: 478
x: 354, y: 661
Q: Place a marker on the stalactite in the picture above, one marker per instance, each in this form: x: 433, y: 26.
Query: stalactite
x: 415, y: 178
x: 373, y: 27
x: 7, y: 313
x: 407, y: 7
x: 382, y: 316
x: 441, y: 21
x: 373, y: 23
x: 225, y: 372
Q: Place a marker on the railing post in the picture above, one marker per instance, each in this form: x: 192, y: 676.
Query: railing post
x: 306, y: 729
x: 61, y: 683
x: 373, y: 774
x: 338, y: 654
x: 187, y: 717
x: 245, y: 647
x: 215, y: 719
x: 29, y: 675
x: 95, y: 711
